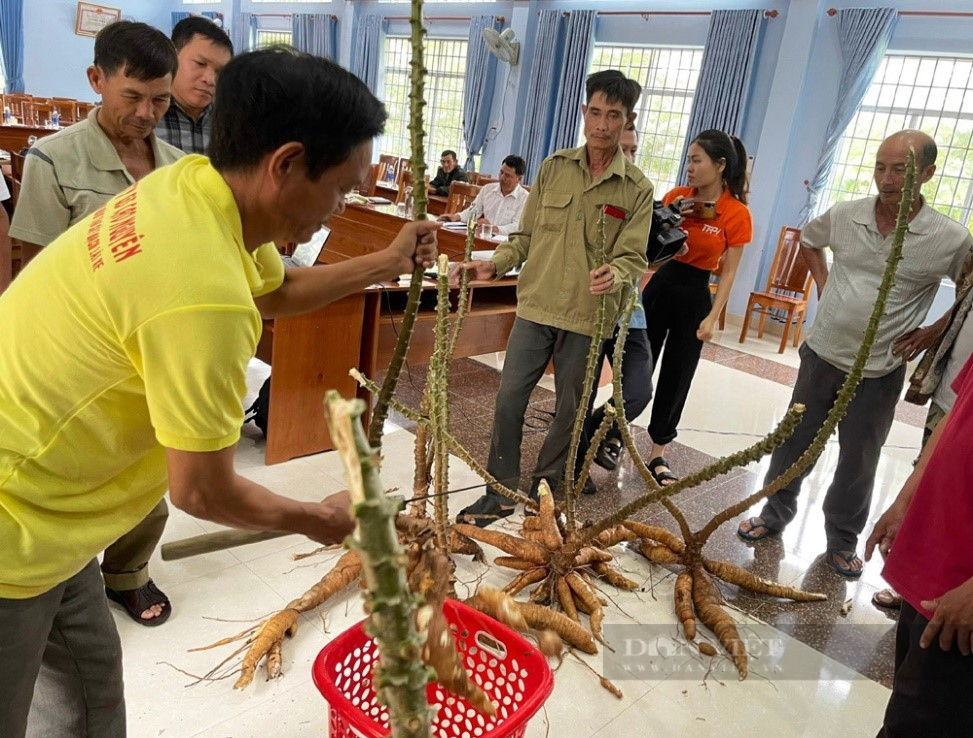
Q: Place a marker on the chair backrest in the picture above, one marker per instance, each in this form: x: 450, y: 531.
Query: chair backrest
x: 482, y: 179
x: 37, y: 113
x: 84, y: 108
x: 388, y: 169
x: 405, y: 182
x: 15, y: 101
x: 789, y: 272
x: 367, y: 187
x: 461, y: 194
x: 67, y: 109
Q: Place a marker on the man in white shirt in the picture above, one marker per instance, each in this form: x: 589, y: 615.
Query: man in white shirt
x: 859, y: 233
x: 498, y: 204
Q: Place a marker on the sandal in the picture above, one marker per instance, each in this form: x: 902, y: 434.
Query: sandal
x: 751, y: 537
x: 888, y: 599
x: 848, y: 557
x: 608, y: 454
x: 137, y: 601
x: 484, y: 511
x: 665, y: 478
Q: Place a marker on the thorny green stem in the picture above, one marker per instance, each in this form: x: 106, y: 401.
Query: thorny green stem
x: 454, y: 445
x: 591, y: 368
x: 417, y: 133
x: 400, y: 675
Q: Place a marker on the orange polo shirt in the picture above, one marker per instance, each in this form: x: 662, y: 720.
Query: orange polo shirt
x: 709, y: 239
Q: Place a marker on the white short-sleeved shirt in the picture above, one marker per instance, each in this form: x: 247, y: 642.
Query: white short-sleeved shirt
x: 935, y: 247
x: 501, y: 210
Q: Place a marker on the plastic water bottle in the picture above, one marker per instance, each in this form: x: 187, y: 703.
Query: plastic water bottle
x: 56, y: 119
x: 6, y: 115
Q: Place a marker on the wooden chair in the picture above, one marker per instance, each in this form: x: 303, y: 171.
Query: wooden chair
x: 37, y: 113
x: 461, y: 195
x: 367, y: 188
x: 84, y: 108
x: 15, y: 101
x: 481, y: 179
x: 388, y: 170
x: 405, y: 182
x: 788, y: 285
x: 714, y: 283
x: 67, y: 109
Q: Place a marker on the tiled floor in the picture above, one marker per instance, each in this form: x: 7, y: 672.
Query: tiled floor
x: 814, y: 664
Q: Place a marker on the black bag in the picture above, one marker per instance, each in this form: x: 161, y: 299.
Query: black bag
x: 259, y: 411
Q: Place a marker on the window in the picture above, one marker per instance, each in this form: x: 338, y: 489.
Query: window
x: 446, y: 62
x: 266, y: 37
x: 668, y: 76
x: 931, y: 93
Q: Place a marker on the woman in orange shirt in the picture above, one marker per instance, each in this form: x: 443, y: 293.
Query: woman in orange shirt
x: 679, y: 310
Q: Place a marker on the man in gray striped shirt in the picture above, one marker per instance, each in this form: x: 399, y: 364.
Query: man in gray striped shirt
x: 859, y: 234
x: 204, y: 49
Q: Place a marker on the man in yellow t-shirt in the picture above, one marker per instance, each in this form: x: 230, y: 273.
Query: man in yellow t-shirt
x: 126, y: 347
x: 71, y: 174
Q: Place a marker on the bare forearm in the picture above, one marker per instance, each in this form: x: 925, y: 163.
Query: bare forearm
x: 310, y: 288
x: 246, y: 504
x: 817, y: 265
x: 731, y: 265
x: 28, y: 251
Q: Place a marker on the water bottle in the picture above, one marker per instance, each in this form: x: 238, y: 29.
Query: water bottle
x: 56, y: 118
x: 6, y: 115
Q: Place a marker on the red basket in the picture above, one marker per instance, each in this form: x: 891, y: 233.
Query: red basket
x: 509, y: 669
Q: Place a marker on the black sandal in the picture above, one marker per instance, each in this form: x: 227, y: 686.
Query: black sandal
x: 662, y: 478
x: 484, y: 511
x: 144, y: 597
x: 608, y: 454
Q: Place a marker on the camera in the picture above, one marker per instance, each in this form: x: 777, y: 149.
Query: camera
x: 666, y: 239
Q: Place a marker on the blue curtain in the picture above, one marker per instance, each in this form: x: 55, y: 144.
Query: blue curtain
x: 368, y: 45
x: 316, y: 33
x: 176, y: 17
x: 579, y: 38
x: 724, y: 75
x: 541, y: 95
x: 864, y: 34
x: 244, y: 32
x: 481, y: 71
x: 12, y: 43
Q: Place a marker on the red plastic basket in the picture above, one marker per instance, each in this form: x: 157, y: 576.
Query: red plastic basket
x: 509, y: 669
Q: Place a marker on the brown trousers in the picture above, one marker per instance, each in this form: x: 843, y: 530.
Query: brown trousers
x: 126, y: 562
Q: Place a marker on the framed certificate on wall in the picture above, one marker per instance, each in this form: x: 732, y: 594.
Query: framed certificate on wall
x: 92, y: 18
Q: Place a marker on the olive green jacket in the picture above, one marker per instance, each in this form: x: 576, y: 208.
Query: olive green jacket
x: 557, y: 241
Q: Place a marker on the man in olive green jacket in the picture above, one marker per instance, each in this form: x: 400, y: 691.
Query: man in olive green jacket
x: 562, y: 280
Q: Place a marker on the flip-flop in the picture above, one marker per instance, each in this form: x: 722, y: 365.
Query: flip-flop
x: 750, y: 536
x: 887, y: 599
x: 662, y: 477
x: 849, y: 557
x: 145, y: 596
x: 608, y: 454
x: 484, y: 511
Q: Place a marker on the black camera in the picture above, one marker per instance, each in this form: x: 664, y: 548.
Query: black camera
x: 666, y: 239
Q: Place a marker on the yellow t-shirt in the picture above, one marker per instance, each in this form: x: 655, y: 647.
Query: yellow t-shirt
x: 128, y: 334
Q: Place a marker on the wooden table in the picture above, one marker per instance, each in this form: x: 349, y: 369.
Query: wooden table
x: 14, y: 138
x: 312, y: 353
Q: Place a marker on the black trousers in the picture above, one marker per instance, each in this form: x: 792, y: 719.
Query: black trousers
x: 636, y: 386
x: 931, y: 688
x: 676, y: 301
